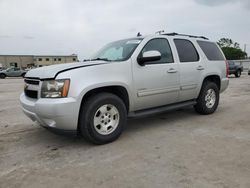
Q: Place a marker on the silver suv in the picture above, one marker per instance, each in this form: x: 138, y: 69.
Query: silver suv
x: 126, y: 79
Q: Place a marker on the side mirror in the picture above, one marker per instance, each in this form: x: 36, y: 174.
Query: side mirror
x: 152, y: 55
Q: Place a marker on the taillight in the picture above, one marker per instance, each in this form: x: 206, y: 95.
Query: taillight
x: 227, y: 67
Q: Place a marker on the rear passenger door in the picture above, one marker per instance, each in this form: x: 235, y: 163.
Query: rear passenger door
x: 10, y: 72
x: 191, y: 68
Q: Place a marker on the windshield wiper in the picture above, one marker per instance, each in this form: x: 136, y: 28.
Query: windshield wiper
x: 98, y: 59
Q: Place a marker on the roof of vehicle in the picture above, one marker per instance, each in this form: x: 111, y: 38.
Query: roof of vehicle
x: 173, y: 34
x: 185, y: 35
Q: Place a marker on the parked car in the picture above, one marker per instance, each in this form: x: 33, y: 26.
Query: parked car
x: 12, y: 72
x: 235, y: 69
x: 128, y: 78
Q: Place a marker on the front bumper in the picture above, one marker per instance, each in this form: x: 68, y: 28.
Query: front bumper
x: 224, y: 84
x: 58, y: 114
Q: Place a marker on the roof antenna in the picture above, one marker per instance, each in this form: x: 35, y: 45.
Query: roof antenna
x: 159, y: 32
x: 139, y: 34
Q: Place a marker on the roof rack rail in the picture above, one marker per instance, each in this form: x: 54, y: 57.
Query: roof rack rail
x: 193, y: 36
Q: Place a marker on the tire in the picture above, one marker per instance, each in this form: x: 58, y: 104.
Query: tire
x: 102, y: 118
x: 238, y: 74
x: 205, y: 104
x: 2, y: 76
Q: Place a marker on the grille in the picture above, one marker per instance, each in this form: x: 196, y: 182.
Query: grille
x: 33, y: 82
x: 31, y: 93
x: 31, y: 88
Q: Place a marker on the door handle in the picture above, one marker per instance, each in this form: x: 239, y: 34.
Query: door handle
x: 172, y: 70
x: 200, y: 67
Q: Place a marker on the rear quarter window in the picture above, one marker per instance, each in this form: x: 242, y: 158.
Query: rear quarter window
x: 211, y: 50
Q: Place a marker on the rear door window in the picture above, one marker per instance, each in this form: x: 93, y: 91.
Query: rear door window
x: 186, y: 50
x: 211, y: 50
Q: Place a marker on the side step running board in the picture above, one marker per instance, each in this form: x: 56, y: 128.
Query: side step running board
x: 171, y: 107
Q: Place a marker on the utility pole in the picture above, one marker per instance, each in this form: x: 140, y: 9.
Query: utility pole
x: 245, y: 46
x: 21, y: 63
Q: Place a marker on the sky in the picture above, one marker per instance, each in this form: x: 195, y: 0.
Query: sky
x: 64, y: 27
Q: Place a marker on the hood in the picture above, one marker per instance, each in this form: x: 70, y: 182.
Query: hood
x: 50, y: 72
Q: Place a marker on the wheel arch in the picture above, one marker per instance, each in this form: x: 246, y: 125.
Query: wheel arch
x: 117, y: 90
x: 213, y: 78
x: 2, y: 73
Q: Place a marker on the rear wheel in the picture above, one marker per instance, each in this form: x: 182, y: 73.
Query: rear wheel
x: 2, y: 76
x: 208, y: 99
x: 238, y: 74
x: 102, y: 118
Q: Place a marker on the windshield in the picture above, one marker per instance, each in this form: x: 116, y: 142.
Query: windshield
x: 117, y: 51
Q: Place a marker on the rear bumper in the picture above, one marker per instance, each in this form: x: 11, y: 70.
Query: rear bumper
x: 56, y: 114
x: 232, y: 71
x: 224, y: 84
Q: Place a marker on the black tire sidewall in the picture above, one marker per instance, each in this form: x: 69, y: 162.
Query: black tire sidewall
x: 2, y: 76
x: 88, y: 113
x: 201, y: 103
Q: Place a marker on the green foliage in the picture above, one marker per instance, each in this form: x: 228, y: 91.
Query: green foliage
x: 233, y: 53
x: 231, y: 49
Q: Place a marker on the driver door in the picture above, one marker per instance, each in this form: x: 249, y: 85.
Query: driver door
x: 10, y: 72
x: 157, y: 82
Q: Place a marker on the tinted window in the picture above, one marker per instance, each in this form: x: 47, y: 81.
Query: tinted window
x: 211, y: 50
x: 163, y: 47
x: 16, y: 69
x: 186, y: 50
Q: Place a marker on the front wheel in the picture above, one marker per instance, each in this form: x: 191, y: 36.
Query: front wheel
x: 208, y: 99
x: 102, y: 118
x: 2, y: 76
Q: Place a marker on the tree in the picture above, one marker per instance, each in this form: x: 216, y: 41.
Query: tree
x: 231, y: 49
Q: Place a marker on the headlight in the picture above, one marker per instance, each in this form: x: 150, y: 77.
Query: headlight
x: 55, y: 88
